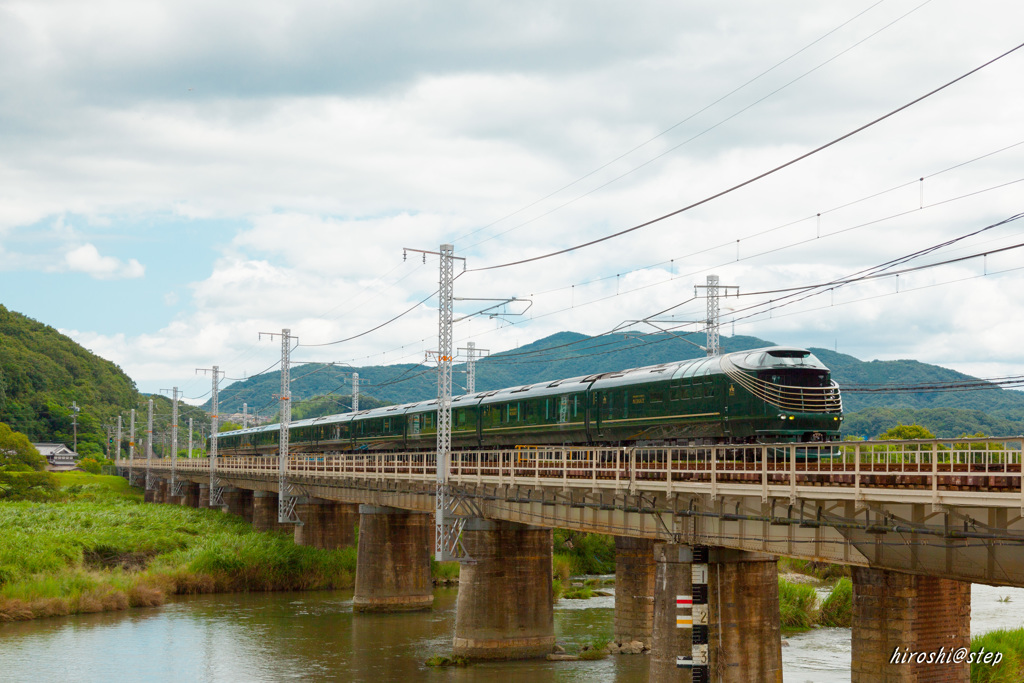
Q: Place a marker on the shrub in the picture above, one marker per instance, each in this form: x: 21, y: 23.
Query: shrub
x: 798, y: 605
x: 1008, y: 643
x: 837, y: 610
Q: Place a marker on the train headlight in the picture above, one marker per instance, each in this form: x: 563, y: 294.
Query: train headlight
x: 782, y: 417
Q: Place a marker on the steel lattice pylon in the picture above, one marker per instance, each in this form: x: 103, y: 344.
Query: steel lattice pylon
x: 443, y: 531
x: 174, y: 439
x: 471, y: 368
x: 713, y: 290
x: 285, y: 502
x: 712, y: 320
x: 447, y: 524
x: 149, y: 447
x: 216, y: 491
x: 131, y: 449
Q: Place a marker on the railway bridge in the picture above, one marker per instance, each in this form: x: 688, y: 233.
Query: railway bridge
x: 698, y: 530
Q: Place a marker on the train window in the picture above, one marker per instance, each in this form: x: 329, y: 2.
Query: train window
x: 575, y: 405
x: 675, y: 394
x: 461, y: 417
x: 657, y: 396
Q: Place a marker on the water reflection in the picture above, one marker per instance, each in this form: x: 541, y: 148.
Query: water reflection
x: 280, y: 637
x: 315, y: 636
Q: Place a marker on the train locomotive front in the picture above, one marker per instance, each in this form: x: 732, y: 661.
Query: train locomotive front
x: 788, y: 395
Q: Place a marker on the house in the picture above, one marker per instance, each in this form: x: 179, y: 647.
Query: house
x: 59, y: 458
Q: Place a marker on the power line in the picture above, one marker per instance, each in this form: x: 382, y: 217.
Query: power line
x: 679, y: 123
x: 754, y: 178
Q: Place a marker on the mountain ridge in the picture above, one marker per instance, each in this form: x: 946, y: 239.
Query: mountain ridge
x: 571, y: 354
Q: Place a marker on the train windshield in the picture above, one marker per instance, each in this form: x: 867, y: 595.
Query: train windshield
x: 782, y: 358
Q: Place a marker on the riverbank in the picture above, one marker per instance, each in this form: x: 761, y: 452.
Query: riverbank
x: 96, y: 547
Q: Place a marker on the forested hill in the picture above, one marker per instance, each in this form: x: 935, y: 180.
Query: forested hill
x: 568, y: 354
x: 42, y: 372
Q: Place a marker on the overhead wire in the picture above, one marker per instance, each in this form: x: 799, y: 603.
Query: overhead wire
x: 672, y: 127
x: 705, y: 131
x: 753, y: 179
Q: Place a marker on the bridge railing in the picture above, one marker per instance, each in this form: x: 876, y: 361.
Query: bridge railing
x: 936, y: 464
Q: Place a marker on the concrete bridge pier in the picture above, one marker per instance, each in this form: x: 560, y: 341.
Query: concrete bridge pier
x: 743, y: 631
x: 204, y: 497
x: 191, y: 497
x: 635, y: 571
x: 160, y: 491
x: 172, y: 499
x: 896, y: 615
x: 326, y: 523
x: 505, y: 603
x: 393, y: 564
x: 264, y: 512
x: 239, y: 502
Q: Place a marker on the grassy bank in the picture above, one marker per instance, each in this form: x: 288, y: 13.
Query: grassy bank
x: 1010, y: 644
x: 96, y: 547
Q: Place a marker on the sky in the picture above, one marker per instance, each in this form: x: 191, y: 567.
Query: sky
x: 178, y: 177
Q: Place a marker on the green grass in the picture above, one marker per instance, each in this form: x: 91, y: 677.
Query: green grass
x: 1008, y: 643
x: 586, y: 553
x: 798, y: 605
x: 837, y: 609
x: 596, y: 649
x: 98, y: 547
x: 578, y: 593
x: 444, y: 572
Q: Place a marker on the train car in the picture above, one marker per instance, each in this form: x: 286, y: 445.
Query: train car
x: 770, y: 395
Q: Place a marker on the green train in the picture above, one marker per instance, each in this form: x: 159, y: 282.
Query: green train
x: 769, y: 395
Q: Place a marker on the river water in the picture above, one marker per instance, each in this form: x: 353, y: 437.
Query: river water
x: 315, y: 637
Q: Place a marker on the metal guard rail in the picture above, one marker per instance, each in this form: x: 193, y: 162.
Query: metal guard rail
x: 976, y: 463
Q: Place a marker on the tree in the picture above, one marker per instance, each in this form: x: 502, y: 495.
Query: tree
x: 905, y: 433
x: 228, y: 426
x: 90, y: 465
x: 17, y: 454
x: 22, y: 467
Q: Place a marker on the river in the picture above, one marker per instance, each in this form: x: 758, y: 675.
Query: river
x: 315, y: 637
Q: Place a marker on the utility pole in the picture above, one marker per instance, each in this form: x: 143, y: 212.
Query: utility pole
x: 175, y: 487
x: 355, y: 391
x: 285, y: 500
x: 190, y: 438
x: 119, y: 436
x: 74, y: 424
x: 245, y: 416
x: 447, y: 528
x: 107, y: 429
x: 131, y: 450
x: 149, y: 447
x: 216, y: 490
x: 471, y: 356
x: 712, y: 322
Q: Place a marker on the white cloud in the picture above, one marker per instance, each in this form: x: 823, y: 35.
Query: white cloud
x: 87, y: 259
x: 330, y: 136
